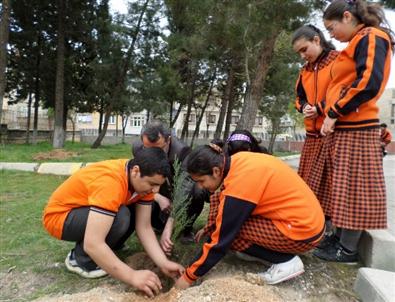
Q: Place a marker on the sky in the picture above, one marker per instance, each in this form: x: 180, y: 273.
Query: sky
x: 121, y: 7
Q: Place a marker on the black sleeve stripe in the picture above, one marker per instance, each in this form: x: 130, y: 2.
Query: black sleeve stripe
x: 144, y: 203
x: 301, y: 95
x: 102, y: 211
x: 235, y: 212
x: 376, y: 77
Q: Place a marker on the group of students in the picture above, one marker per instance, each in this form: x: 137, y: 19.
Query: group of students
x: 259, y: 207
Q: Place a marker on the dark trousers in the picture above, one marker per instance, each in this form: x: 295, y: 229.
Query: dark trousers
x: 75, y: 225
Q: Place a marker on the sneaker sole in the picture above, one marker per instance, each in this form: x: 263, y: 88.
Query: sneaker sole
x: 82, y: 273
x: 294, y: 275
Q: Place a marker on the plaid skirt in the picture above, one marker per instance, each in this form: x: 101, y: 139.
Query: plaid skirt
x: 352, y: 168
x: 260, y: 231
x: 310, y: 153
x: 320, y: 180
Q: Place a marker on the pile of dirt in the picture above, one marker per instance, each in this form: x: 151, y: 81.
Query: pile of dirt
x: 222, y: 285
x: 55, y: 154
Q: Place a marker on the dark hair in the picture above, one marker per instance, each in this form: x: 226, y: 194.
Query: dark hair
x: 151, y: 161
x: 308, y: 32
x: 219, y: 142
x: 203, y: 159
x: 154, y: 129
x: 384, y: 125
x: 369, y: 14
x: 250, y: 143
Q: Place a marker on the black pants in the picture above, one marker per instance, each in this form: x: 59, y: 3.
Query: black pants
x: 75, y: 225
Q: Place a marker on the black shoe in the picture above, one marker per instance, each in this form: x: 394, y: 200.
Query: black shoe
x: 327, y: 241
x: 336, y: 253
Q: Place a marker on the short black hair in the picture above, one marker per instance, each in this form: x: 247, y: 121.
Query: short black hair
x: 154, y: 129
x: 384, y: 125
x: 151, y: 161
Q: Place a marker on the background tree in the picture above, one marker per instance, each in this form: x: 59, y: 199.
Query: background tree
x: 4, y: 30
x: 279, y: 88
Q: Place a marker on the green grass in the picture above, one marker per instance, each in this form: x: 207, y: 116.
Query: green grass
x: 83, y: 152
x: 31, y: 261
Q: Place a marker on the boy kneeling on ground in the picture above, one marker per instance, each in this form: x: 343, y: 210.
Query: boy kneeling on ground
x: 99, y: 207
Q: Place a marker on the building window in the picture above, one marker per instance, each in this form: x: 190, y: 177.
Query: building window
x: 393, y: 113
x: 212, y: 118
x: 84, y: 118
x: 111, y: 121
x: 259, y: 121
x: 235, y: 119
x: 192, y: 118
x: 136, y: 121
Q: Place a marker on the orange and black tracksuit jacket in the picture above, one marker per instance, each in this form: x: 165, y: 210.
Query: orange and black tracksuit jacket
x: 359, y: 75
x: 311, y: 88
x: 254, y: 185
x: 386, y: 137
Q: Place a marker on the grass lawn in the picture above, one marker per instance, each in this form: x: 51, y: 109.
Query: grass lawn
x: 31, y: 261
x: 72, y: 152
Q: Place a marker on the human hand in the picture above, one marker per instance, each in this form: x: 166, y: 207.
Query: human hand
x: 328, y: 126
x: 199, y: 235
x: 172, y: 269
x: 181, y: 283
x: 146, y: 281
x: 310, y: 111
x: 165, y: 241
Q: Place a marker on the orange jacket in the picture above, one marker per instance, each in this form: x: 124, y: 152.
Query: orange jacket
x: 257, y: 184
x: 311, y: 89
x: 359, y: 75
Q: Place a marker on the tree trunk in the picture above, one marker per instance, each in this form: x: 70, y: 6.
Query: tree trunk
x: 253, y: 98
x: 228, y: 121
x: 99, y: 139
x: 59, y: 133
x: 37, y: 92
x: 176, y: 116
x: 121, y: 78
x: 275, y: 127
x: 4, y: 34
x: 124, y: 124
x: 197, y: 129
x: 29, y: 114
x: 225, y: 102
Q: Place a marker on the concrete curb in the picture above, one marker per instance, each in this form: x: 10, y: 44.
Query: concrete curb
x: 376, y: 250
x: 30, y: 167
x: 373, y: 285
x: 59, y: 168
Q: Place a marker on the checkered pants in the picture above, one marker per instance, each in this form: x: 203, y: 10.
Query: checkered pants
x: 260, y: 231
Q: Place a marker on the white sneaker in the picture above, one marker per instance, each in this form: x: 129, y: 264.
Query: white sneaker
x: 249, y: 258
x: 73, y: 266
x: 283, y: 271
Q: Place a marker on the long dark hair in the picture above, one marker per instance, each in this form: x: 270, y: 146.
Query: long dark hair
x: 308, y: 32
x: 369, y: 14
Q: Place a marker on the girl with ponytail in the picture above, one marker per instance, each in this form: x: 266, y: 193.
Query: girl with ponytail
x: 359, y: 76
x: 259, y: 215
x: 309, y: 42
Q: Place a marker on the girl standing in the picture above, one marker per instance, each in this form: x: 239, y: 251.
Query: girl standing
x: 359, y: 75
x: 319, y: 54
